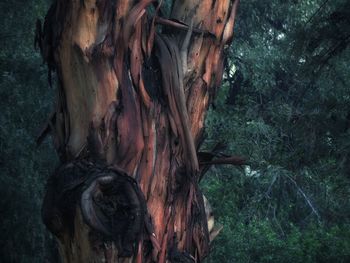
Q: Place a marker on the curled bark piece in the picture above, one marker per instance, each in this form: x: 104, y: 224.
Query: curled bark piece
x: 180, y: 100
x: 135, y: 14
x: 215, y: 232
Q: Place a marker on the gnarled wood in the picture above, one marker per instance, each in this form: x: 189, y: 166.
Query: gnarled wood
x: 127, y: 101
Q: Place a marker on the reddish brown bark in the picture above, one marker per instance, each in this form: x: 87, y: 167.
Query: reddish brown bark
x: 133, y: 91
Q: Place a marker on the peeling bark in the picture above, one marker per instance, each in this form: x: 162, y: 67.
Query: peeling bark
x: 128, y: 124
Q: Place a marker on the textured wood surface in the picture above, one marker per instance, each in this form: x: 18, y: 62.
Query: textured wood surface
x: 127, y: 99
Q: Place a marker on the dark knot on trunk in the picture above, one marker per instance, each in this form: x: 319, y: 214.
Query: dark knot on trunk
x: 110, y: 201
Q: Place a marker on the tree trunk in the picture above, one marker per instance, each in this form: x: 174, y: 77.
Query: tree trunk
x: 133, y: 88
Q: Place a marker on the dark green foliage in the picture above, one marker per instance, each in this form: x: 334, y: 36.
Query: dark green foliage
x: 286, y: 108
x: 25, y: 104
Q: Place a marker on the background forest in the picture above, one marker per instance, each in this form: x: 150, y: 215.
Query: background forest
x: 284, y: 104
